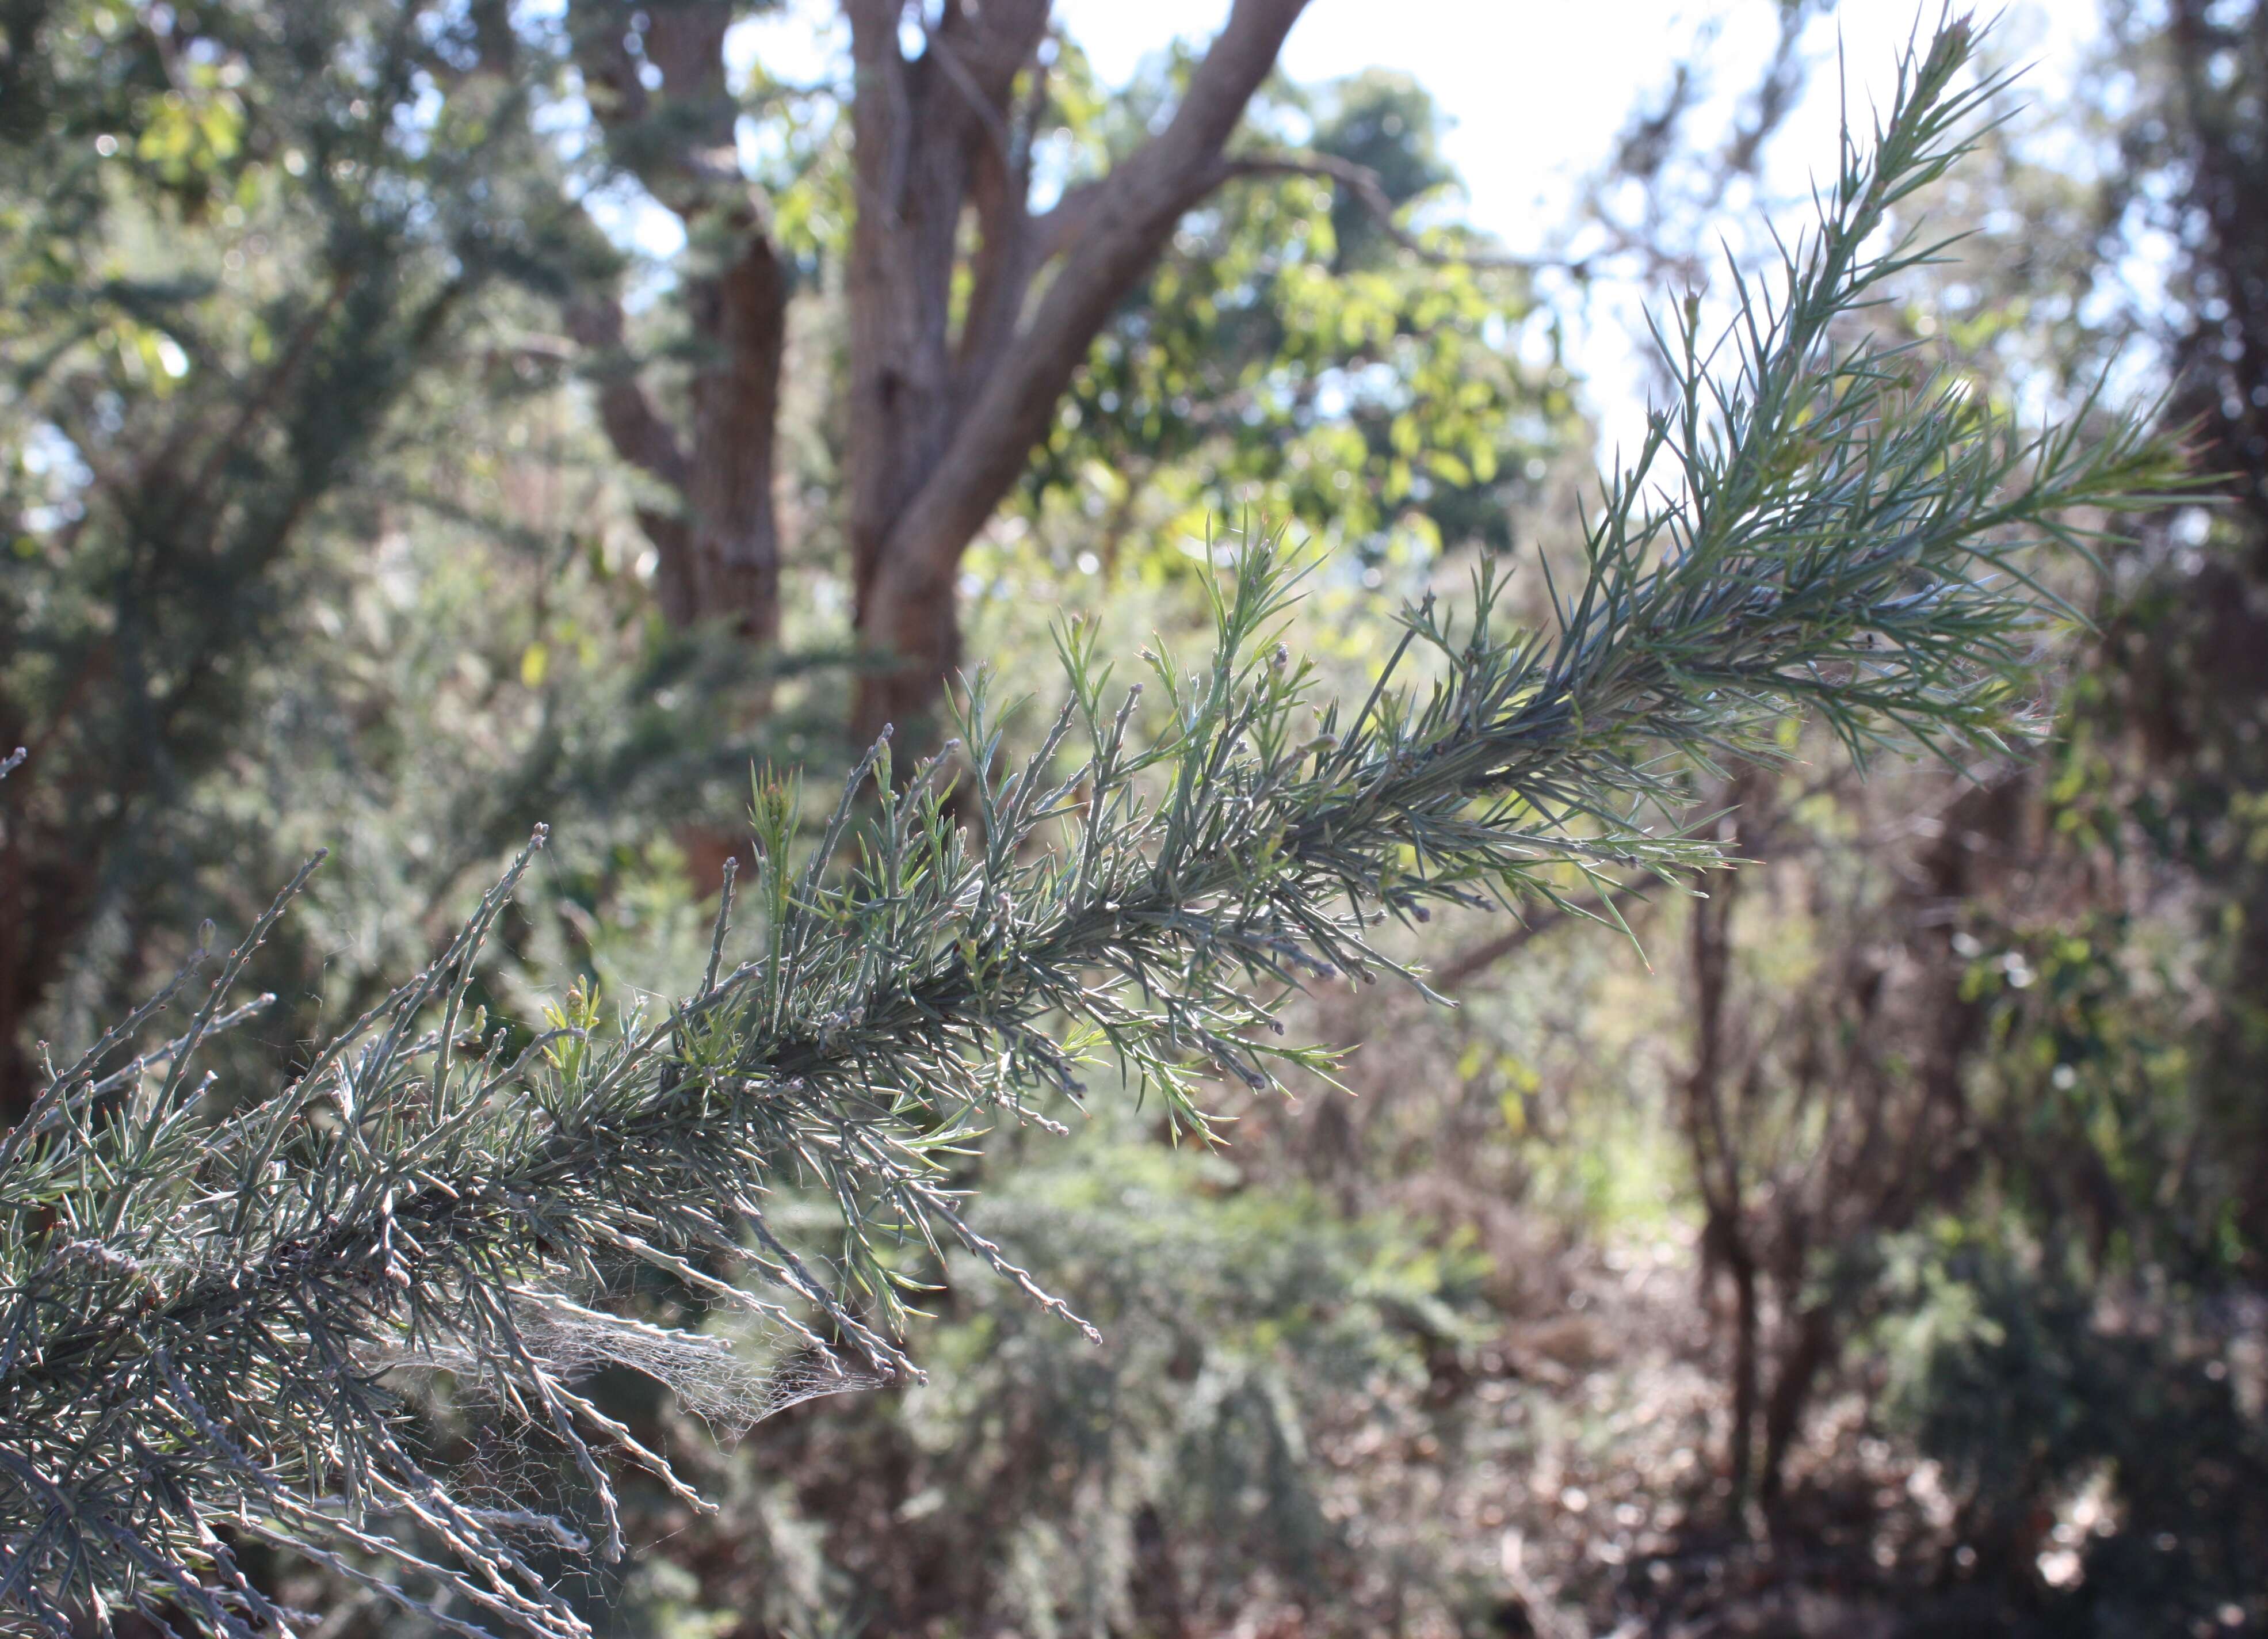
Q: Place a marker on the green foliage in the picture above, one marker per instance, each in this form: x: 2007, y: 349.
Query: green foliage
x: 1173, y: 1474
x: 239, y: 249
x: 209, y: 1319
x: 1286, y: 352
x: 2008, y: 1375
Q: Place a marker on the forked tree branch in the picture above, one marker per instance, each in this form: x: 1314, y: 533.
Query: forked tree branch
x: 1127, y: 218
x: 678, y: 144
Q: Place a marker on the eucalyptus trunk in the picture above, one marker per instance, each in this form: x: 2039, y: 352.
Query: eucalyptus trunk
x: 947, y: 399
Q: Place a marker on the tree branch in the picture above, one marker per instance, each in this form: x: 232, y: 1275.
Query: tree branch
x: 634, y: 427
x: 1057, y: 228
x: 720, y: 553
x: 986, y: 110
x: 1470, y: 964
x: 1133, y: 210
x: 1363, y: 185
x: 641, y: 437
x: 679, y: 144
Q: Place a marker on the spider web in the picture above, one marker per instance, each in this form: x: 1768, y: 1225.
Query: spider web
x: 717, y: 1382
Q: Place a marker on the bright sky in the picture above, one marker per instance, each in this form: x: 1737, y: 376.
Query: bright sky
x: 1537, y: 90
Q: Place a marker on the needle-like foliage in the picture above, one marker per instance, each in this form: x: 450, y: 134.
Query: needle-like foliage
x: 210, y: 1323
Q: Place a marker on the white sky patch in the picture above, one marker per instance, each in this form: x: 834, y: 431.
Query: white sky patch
x: 1538, y: 91
x: 1535, y: 92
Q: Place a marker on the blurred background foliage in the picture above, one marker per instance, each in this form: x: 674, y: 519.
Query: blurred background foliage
x: 1874, y: 1245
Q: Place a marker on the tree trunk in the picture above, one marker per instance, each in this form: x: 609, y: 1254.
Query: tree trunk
x: 1801, y: 1364
x: 718, y: 552
x: 947, y: 394
x: 1715, y: 1148
x: 741, y: 315
x: 1747, y: 1323
x: 47, y: 885
x: 944, y: 423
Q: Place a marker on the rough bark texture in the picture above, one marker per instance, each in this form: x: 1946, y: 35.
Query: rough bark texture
x: 1719, y: 1171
